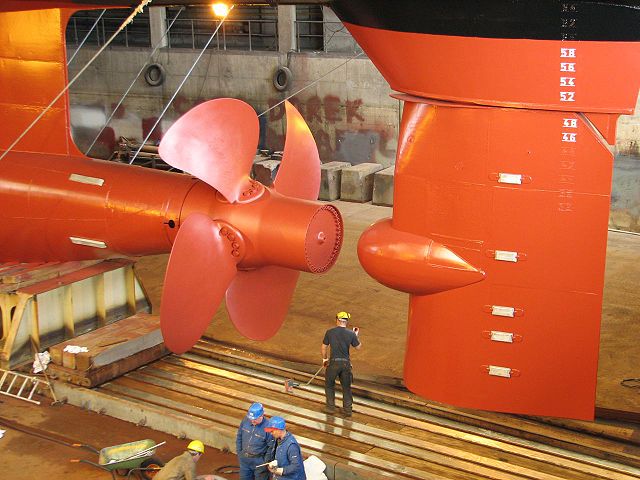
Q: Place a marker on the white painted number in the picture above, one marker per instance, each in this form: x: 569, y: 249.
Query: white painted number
x: 567, y: 96
x: 567, y: 81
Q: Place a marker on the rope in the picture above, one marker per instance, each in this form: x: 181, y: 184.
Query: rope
x: 127, y: 21
x: 312, y: 83
x: 186, y: 77
x: 134, y: 81
x: 85, y: 37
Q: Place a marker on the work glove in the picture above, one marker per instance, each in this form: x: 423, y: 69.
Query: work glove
x: 272, y: 464
x: 356, y: 330
x: 325, y: 362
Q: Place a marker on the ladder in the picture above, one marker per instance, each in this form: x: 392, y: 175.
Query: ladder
x: 25, y: 385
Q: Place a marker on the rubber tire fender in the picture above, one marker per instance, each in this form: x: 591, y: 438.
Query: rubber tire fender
x: 282, y: 78
x: 154, y: 74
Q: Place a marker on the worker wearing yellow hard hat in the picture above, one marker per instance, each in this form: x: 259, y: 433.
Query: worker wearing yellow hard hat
x: 183, y: 467
x: 335, y: 356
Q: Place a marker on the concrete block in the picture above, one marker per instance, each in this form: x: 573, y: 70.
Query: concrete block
x: 383, y: 187
x: 356, y: 184
x: 330, y: 177
x: 265, y: 172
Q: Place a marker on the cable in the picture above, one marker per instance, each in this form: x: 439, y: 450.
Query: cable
x: 311, y: 84
x: 127, y: 21
x: 134, y: 81
x: 228, y: 469
x: 67, y: 442
x: 186, y: 77
x: 627, y: 232
x: 631, y: 382
x: 85, y: 37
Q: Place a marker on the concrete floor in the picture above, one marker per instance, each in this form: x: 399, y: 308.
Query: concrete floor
x: 381, y: 313
x: 24, y: 456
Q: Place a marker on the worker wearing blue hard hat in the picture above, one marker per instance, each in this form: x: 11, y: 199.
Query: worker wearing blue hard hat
x: 287, y: 461
x: 252, y: 444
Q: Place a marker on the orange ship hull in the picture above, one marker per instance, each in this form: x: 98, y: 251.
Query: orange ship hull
x: 504, y: 163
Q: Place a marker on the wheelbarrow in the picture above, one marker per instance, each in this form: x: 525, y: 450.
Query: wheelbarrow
x: 127, y: 459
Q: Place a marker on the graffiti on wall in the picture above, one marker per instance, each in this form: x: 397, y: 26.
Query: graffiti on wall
x: 340, y: 128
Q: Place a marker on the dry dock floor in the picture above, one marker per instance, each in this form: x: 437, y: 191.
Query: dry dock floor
x: 381, y: 313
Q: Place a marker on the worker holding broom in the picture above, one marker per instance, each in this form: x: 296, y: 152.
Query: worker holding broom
x: 339, y: 340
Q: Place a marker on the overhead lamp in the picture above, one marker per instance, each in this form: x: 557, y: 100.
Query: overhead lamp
x: 220, y: 9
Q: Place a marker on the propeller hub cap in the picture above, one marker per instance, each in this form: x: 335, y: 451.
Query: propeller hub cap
x: 324, y: 239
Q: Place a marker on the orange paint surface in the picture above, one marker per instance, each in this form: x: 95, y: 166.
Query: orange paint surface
x: 503, y: 159
x: 598, y: 76
x: 540, y: 241
x: 33, y: 71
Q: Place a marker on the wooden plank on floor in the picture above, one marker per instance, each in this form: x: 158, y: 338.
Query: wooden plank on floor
x: 309, y: 420
x: 400, y: 419
x: 555, y: 463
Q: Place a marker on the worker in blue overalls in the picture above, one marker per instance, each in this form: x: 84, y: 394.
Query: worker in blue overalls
x: 287, y: 463
x: 252, y: 444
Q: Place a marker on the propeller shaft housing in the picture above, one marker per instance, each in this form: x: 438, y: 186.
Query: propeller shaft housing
x: 274, y: 229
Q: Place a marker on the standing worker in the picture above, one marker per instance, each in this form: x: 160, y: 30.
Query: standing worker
x: 183, y: 467
x: 338, y: 364
x: 252, y: 443
x: 287, y: 461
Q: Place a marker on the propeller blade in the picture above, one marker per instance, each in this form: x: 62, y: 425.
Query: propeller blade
x: 216, y: 142
x: 200, y: 269
x: 258, y: 300
x: 299, y: 172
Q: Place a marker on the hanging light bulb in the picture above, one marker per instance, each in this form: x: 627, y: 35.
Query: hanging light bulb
x: 220, y: 9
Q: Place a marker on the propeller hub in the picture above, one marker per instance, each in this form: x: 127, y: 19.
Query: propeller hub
x: 323, y: 239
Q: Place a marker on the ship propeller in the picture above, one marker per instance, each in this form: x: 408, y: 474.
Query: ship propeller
x: 216, y: 142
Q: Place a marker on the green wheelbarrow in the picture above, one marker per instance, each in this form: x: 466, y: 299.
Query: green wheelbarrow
x: 127, y: 459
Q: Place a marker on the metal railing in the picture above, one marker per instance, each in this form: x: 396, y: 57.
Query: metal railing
x: 135, y: 34
x: 330, y: 37
x: 234, y: 35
